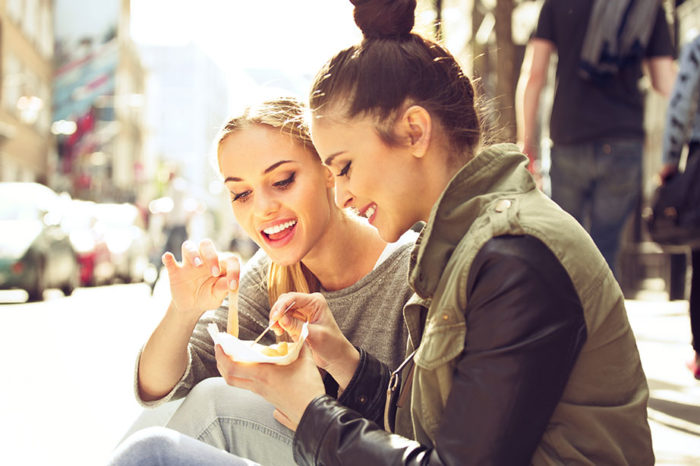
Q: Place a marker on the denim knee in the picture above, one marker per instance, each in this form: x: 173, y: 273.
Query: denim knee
x: 212, y: 394
x: 146, y: 446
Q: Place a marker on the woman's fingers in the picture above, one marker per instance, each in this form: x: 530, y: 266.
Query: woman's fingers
x: 289, y: 388
x: 227, y: 368
x: 169, y: 262
x: 190, y: 254
x: 291, y: 324
x: 306, y: 305
x: 249, y: 376
x: 232, y: 266
x: 208, y: 253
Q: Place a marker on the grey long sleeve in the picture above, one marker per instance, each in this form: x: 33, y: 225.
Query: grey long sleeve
x: 354, y: 308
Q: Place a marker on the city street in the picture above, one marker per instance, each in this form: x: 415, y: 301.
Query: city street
x: 66, y: 396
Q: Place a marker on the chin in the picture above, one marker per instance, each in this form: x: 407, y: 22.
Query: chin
x: 283, y: 258
x: 389, y: 235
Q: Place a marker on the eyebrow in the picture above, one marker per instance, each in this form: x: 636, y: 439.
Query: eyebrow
x: 329, y: 160
x: 265, y: 172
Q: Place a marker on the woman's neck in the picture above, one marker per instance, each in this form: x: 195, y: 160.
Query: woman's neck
x: 436, y: 169
x: 345, y: 253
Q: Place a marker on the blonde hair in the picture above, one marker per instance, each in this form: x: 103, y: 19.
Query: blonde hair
x: 286, y: 114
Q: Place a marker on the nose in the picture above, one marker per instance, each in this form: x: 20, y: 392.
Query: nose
x: 343, y: 197
x: 266, y: 205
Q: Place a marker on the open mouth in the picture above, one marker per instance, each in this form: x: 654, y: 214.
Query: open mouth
x: 369, y: 212
x: 279, y: 231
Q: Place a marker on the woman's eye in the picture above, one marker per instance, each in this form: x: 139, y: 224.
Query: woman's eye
x: 241, y: 197
x: 345, y: 169
x: 286, y: 182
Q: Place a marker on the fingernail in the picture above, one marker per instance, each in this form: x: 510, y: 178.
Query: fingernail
x: 197, y: 261
x: 285, y: 321
x: 233, y: 285
x: 215, y: 271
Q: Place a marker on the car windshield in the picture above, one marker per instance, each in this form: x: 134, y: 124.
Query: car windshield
x: 18, y: 209
x: 20, y: 201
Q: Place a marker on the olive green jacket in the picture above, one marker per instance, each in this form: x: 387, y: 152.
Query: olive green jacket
x: 601, y: 417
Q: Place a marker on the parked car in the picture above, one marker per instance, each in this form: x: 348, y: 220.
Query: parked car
x: 35, y: 252
x: 87, y: 236
x: 128, y: 243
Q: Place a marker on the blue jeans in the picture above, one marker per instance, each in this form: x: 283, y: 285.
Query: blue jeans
x: 234, y: 420
x: 599, y: 183
x: 158, y: 446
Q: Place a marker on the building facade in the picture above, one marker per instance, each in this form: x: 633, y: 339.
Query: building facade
x: 97, y: 112
x: 26, y: 49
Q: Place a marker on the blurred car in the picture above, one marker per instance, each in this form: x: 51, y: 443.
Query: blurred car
x: 128, y: 243
x: 88, y: 239
x: 35, y: 252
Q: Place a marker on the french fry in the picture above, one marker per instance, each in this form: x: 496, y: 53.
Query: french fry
x: 232, y: 323
x: 279, y: 349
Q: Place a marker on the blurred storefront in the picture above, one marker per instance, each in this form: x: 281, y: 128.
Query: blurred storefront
x: 26, y: 48
x: 98, y: 102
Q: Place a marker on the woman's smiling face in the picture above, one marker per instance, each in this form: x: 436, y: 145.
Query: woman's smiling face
x: 381, y: 182
x: 280, y: 192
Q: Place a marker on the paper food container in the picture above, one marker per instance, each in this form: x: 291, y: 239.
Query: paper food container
x: 242, y: 351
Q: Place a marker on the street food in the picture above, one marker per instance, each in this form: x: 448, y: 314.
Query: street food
x: 232, y: 324
x: 279, y: 349
x: 248, y: 351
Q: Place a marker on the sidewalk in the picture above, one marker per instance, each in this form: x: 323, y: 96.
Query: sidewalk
x: 662, y: 329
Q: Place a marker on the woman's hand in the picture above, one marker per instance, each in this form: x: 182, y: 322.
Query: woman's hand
x: 289, y: 388
x: 203, y: 278
x: 330, y: 349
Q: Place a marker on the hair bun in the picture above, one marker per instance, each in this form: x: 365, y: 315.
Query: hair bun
x: 384, y: 18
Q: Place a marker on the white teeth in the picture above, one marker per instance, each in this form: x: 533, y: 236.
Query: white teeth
x: 369, y: 212
x: 280, y: 227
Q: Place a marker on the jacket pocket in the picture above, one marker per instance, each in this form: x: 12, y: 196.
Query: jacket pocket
x: 441, y: 343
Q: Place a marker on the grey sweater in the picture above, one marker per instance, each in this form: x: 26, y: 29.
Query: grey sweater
x: 369, y: 313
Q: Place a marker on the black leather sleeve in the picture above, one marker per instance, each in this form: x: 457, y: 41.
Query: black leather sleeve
x: 525, y: 330
x: 366, y: 392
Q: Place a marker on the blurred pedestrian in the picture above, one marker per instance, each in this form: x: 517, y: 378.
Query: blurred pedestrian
x: 596, y: 124
x: 683, y: 129
x: 282, y: 197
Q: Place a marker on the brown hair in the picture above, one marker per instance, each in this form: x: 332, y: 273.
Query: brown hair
x: 392, y: 66
x: 287, y: 114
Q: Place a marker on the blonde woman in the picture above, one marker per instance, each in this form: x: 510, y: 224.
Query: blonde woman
x: 282, y: 196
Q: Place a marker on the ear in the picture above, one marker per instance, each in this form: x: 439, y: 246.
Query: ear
x: 416, y: 125
x: 330, y: 180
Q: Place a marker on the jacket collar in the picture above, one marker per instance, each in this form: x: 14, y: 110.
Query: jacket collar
x: 497, y: 170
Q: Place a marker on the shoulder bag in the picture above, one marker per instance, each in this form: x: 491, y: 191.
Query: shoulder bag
x: 674, y: 216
